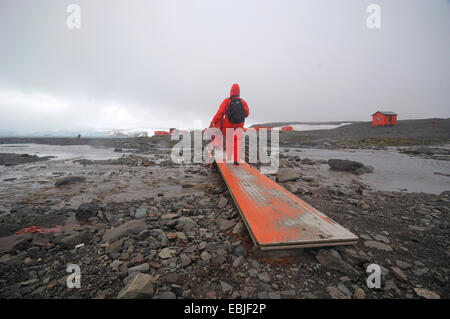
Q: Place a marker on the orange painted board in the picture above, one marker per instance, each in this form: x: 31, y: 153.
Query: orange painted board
x: 274, y: 217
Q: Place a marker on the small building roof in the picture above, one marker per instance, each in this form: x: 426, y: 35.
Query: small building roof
x: 385, y: 113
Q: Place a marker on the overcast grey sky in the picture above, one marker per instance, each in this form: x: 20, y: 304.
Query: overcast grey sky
x: 166, y: 63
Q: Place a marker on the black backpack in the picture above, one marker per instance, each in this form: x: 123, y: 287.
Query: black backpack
x: 236, y: 111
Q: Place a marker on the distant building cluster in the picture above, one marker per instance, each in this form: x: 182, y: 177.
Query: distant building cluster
x: 118, y: 133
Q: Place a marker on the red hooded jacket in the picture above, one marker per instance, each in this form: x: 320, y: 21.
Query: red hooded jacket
x: 217, y: 120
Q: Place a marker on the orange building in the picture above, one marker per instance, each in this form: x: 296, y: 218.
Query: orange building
x: 384, y: 118
x: 287, y: 128
x: 161, y: 133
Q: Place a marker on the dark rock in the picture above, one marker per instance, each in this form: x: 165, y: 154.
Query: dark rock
x: 288, y: 294
x: 445, y: 194
x: 344, y: 165
x: 368, y: 169
x: 264, y: 277
x: 359, y: 294
x: 331, y: 259
x: 286, y: 175
x: 308, y: 161
x: 22, y: 242
x: 185, y: 223
x: 140, y: 286
x: 114, y: 247
x: 241, y: 251
x: 225, y: 224
x: 140, y: 213
x: 335, y: 293
x: 377, y: 245
x: 84, y: 162
x: 69, y: 180
x: 185, y: 260
x: 11, y: 159
x: 142, y: 268
x: 399, y: 274
x: 222, y: 202
x: 72, y: 240
x: 87, y: 210
x: 226, y: 287
x: 131, y: 227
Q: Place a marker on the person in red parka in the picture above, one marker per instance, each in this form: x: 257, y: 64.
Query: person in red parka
x: 231, y: 114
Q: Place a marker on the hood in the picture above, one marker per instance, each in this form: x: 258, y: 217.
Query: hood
x: 235, y: 90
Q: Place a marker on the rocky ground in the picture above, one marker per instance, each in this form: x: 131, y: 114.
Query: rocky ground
x: 137, y: 230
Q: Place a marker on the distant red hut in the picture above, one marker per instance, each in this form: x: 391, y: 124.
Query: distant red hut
x: 287, y: 128
x: 161, y: 133
x: 384, y: 118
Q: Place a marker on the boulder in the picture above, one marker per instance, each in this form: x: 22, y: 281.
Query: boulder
x: 222, y: 202
x: 140, y: 287
x: 345, y: 165
x: 69, y: 180
x: 224, y: 224
x: 308, y: 161
x: 368, y: 169
x: 331, y: 259
x: 399, y: 274
x: 140, y: 213
x: 427, y: 294
x: 87, y: 210
x: 341, y: 191
x: 131, y: 227
x: 166, y: 295
x: 287, y: 174
x: 377, y: 245
x: 359, y: 294
x: 167, y: 253
x: 335, y: 293
x: 185, y: 223
x: 114, y: 247
x: 142, y: 268
x: 309, y: 178
x: 72, y: 240
x: 226, y: 287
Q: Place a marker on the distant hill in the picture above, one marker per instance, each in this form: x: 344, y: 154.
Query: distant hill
x: 414, y: 132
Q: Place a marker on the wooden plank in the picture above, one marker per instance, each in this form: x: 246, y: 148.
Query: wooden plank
x: 274, y: 217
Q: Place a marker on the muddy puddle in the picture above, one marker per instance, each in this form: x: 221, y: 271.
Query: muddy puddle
x: 393, y: 171
x: 62, y: 152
